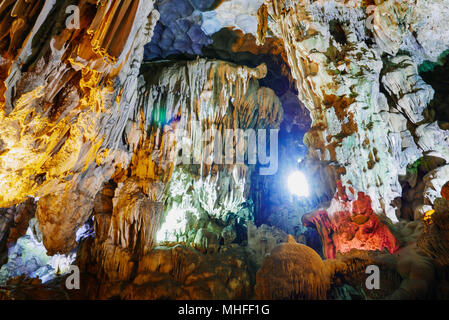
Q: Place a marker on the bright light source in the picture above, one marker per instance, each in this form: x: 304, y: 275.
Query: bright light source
x: 297, y: 184
x: 175, y: 223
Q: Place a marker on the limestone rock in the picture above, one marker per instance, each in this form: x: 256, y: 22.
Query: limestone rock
x: 180, y: 272
x: 434, y: 182
x: 335, y: 49
x: 206, y: 240
x: 60, y: 111
x: 433, y: 241
x: 169, y: 163
x: 292, y: 271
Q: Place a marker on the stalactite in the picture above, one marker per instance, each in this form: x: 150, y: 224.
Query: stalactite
x: 217, y: 95
x: 60, y: 109
x: 335, y: 51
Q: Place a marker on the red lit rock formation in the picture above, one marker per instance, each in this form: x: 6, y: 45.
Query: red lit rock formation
x: 350, y: 224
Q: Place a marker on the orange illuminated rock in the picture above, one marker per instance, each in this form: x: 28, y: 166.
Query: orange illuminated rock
x: 445, y: 191
x: 61, y: 106
x: 292, y: 271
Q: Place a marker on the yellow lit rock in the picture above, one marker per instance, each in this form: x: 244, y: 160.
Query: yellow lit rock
x: 428, y: 216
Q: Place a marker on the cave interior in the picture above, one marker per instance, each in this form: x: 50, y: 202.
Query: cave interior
x: 224, y: 149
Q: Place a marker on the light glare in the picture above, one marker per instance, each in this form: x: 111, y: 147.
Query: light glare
x: 297, y: 184
x: 175, y: 223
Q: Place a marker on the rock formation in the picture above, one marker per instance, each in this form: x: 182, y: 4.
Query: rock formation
x: 356, y: 66
x: 149, y: 143
x: 300, y: 274
x: 173, y: 121
x: 348, y: 225
x: 64, y: 108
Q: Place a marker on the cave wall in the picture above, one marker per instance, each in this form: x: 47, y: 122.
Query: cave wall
x: 86, y: 136
x: 356, y: 67
x: 67, y: 96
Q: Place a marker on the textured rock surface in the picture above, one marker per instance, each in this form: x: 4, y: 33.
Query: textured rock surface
x: 348, y: 225
x: 29, y: 257
x: 240, y: 14
x: 433, y: 241
x: 25, y: 288
x: 211, y: 189
x: 63, y: 110
x: 292, y: 271
x: 186, y: 26
x: 171, y: 165
x: 175, y: 272
x: 178, y: 31
x: 188, y: 274
x: 14, y: 223
x: 264, y: 239
x: 338, y: 51
x: 121, y: 160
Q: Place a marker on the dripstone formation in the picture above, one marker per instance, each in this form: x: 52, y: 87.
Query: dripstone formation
x: 149, y: 145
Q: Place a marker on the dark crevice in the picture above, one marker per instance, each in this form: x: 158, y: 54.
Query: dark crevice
x: 337, y: 31
x: 437, y: 75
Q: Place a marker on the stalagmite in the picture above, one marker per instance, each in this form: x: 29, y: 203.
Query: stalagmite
x: 238, y: 149
x: 299, y: 274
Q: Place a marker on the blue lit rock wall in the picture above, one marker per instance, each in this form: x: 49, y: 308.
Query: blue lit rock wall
x: 186, y: 26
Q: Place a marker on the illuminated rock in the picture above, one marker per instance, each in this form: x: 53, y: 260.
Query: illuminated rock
x: 200, y: 197
x: 351, y: 224
x: 67, y: 96
x: 241, y: 14
x: 434, y: 240
x: 435, y: 182
x: 28, y: 256
x: 263, y: 239
x: 179, y: 272
x: 102, y: 153
x: 223, y: 96
x: 14, y: 223
x: 292, y: 271
x: 335, y: 49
